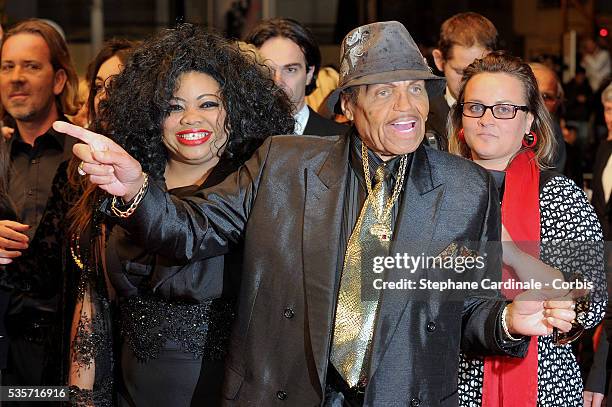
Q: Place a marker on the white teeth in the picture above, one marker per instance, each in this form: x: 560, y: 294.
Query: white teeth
x: 192, y: 136
x: 413, y: 122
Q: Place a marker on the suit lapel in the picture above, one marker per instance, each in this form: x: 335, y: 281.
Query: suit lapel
x: 310, y: 127
x: 325, y: 187
x: 416, y: 220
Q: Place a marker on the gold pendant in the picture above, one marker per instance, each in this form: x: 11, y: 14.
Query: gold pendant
x: 381, y: 231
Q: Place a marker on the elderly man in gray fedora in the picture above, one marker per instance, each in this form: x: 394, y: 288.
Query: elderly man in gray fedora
x: 316, y: 216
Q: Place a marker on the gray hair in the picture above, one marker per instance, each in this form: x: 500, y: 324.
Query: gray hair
x: 606, y: 95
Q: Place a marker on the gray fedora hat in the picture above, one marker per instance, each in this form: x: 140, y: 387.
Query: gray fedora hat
x: 380, y: 53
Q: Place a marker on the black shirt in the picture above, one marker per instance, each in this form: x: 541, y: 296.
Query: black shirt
x: 35, y: 276
x: 32, y: 171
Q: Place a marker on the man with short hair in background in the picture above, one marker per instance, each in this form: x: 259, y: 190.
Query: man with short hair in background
x: 291, y: 52
x: 464, y: 37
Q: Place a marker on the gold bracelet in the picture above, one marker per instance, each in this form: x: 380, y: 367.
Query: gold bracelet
x: 505, y: 326
x: 141, y: 192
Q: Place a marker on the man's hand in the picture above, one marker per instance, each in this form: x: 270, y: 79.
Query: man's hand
x: 533, y: 313
x: 593, y: 399
x: 108, y: 165
x: 12, y: 240
x: 7, y: 132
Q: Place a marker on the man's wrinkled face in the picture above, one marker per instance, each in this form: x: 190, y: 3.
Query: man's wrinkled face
x: 28, y: 83
x: 288, y: 64
x: 389, y: 117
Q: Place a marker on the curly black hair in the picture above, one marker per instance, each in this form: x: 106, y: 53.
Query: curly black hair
x: 138, y: 98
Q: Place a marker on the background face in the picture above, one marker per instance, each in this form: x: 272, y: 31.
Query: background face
x: 547, y: 86
x: 390, y: 117
x: 288, y: 64
x: 608, y: 115
x: 194, y: 130
x: 108, y: 69
x: 495, y: 141
x: 28, y: 84
x: 458, y: 59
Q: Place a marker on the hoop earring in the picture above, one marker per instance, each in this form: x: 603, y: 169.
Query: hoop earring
x: 461, y: 135
x: 530, y: 139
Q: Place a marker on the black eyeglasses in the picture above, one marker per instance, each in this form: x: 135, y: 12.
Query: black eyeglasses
x: 502, y: 111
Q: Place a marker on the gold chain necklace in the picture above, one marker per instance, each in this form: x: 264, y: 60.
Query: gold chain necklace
x: 380, y: 229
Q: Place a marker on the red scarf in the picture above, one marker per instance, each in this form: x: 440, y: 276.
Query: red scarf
x: 510, y: 381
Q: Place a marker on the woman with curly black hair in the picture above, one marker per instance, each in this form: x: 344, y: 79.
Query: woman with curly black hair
x: 191, y: 107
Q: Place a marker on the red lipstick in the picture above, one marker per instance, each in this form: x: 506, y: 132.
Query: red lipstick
x: 193, y: 137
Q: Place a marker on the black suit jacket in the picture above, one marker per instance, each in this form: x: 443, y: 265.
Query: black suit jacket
x: 599, y: 199
x: 286, y: 204
x: 436, y: 121
x: 318, y: 125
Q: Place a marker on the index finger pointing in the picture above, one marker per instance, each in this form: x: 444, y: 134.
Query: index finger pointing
x: 95, y: 141
x: 75, y: 131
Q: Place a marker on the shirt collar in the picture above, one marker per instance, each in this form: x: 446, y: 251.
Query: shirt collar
x: 52, y: 137
x: 301, y: 118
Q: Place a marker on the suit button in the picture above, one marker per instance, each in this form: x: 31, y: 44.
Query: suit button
x: 289, y: 313
x: 281, y: 395
x: 431, y: 326
x: 415, y: 402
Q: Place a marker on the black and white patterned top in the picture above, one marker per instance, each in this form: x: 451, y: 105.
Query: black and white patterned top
x: 571, y: 242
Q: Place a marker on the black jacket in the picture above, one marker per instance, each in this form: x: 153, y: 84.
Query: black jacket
x: 435, y: 127
x: 318, y: 125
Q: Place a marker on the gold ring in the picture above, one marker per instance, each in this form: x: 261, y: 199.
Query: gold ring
x: 80, y: 169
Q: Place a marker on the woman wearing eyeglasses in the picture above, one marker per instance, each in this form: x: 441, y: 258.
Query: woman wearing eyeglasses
x: 550, y: 232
